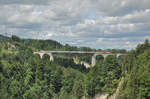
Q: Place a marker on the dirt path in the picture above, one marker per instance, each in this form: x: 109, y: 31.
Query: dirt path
x: 101, y: 96
x: 105, y: 95
x: 117, y: 90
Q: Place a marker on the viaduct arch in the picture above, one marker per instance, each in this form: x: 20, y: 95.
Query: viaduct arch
x: 93, y: 60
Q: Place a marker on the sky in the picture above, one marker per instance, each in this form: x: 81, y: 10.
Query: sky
x: 120, y: 24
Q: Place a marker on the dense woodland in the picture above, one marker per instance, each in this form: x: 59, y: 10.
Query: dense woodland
x: 24, y: 75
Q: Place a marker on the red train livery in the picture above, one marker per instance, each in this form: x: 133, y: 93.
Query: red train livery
x: 107, y: 52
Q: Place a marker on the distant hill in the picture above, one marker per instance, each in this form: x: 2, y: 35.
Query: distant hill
x: 43, y: 44
x: 4, y: 37
x: 52, y: 45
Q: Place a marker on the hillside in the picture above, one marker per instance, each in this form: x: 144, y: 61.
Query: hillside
x: 2, y: 38
x: 24, y: 75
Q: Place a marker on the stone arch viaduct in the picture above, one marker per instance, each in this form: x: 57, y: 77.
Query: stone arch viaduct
x: 93, y: 59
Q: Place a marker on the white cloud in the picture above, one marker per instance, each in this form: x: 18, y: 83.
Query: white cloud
x: 147, y: 37
x: 94, y: 23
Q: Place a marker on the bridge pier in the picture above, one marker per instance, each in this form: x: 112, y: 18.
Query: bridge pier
x: 41, y: 54
x: 117, y: 55
x: 105, y: 56
x: 93, y: 61
x: 51, y: 56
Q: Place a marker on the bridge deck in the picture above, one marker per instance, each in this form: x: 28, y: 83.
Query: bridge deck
x: 74, y: 52
x: 77, y: 52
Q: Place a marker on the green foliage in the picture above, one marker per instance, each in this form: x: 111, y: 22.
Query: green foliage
x: 142, y: 47
x: 137, y: 82
x: 24, y: 75
x: 78, y: 89
x: 15, y: 38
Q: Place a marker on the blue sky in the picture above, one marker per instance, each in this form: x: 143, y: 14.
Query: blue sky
x: 95, y: 23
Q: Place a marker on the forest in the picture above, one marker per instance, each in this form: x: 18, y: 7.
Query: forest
x: 24, y: 75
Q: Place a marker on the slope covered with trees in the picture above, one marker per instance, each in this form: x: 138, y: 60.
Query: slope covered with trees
x: 136, y: 80
x: 26, y: 76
